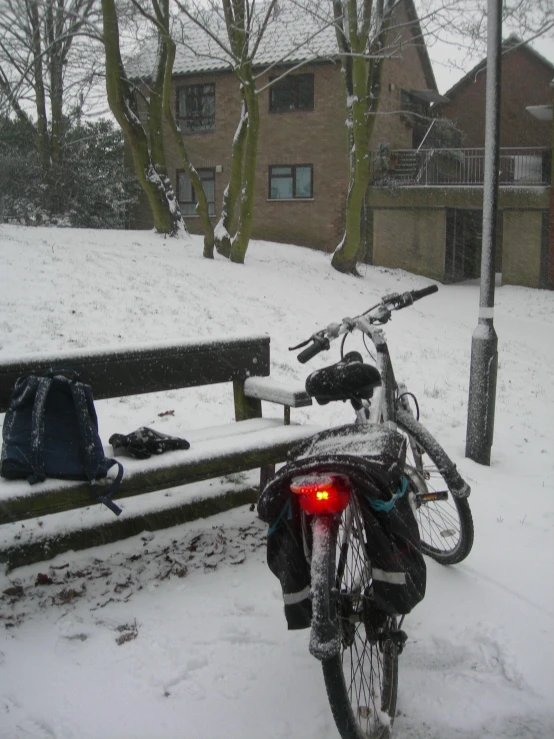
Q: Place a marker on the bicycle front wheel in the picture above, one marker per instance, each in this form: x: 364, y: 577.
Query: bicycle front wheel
x: 445, y: 524
x: 362, y: 680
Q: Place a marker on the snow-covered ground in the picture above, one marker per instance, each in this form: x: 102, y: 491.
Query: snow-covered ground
x: 180, y: 634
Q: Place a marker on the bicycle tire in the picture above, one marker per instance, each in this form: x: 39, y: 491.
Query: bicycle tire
x: 362, y: 680
x: 445, y: 526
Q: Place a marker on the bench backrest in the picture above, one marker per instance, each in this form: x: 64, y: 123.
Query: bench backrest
x: 154, y: 367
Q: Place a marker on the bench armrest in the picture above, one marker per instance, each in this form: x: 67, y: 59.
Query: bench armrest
x: 265, y: 388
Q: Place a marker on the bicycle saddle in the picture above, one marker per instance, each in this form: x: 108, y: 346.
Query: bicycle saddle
x: 346, y: 380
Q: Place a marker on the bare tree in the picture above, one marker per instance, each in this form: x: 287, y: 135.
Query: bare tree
x: 237, y: 28
x: 48, y: 65
x: 157, y: 102
x: 368, y: 32
x: 147, y: 147
x: 361, y: 30
x: 461, y: 26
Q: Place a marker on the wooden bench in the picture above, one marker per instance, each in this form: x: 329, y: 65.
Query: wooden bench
x: 250, y: 442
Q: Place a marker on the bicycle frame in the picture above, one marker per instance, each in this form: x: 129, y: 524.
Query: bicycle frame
x: 382, y: 408
x: 324, y: 640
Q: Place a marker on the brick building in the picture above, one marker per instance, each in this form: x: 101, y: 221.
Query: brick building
x: 431, y: 220
x: 525, y: 81
x: 302, y: 160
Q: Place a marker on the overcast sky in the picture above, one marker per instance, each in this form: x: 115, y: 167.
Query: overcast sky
x: 447, y: 74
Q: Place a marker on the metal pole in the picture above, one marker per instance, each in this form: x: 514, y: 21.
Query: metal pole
x: 484, y: 342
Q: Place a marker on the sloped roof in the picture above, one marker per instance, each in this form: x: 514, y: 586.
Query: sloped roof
x: 512, y: 43
x: 284, y: 41
x: 420, y: 45
x: 198, y: 51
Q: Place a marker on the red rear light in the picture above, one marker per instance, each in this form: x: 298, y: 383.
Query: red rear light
x: 321, y: 494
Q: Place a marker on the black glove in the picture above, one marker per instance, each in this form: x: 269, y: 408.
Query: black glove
x: 144, y: 442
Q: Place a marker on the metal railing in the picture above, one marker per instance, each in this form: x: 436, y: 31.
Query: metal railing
x: 518, y: 167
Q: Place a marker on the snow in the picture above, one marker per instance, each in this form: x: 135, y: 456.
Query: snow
x: 294, y: 35
x: 181, y: 632
x: 135, y: 348
x: 254, y: 434
x: 265, y: 388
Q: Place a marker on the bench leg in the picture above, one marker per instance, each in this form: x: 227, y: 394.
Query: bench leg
x: 287, y: 415
x: 245, y: 407
x: 266, y: 473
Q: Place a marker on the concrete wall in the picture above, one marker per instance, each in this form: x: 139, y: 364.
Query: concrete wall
x: 410, y: 239
x: 409, y: 229
x: 521, y: 247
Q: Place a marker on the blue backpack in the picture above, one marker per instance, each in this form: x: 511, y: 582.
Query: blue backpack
x: 51, y: 430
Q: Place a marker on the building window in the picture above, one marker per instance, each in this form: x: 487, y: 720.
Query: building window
x: 294, y: 92
x: 291, y: 183
x: 187, y: 196
x: 196, y: 108
x: 410, y: 103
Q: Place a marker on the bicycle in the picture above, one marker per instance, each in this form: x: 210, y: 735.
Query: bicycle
x: 341, y: 479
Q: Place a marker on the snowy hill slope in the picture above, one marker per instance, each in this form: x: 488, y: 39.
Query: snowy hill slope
x: 181, y: 633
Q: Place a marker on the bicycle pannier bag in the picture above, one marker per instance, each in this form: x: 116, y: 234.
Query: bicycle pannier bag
x: 392, y: 534
x: 285, y: 553
x: 51, y: 430
x: 398, y: 568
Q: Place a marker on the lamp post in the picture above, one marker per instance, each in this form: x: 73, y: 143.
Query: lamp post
x: 484, y: 342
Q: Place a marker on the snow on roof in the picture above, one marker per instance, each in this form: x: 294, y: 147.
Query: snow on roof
x: 292, y: 36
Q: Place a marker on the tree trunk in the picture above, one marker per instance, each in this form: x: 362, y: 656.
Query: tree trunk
x: 54, y: 29
x: 155, y: 112
x: 202, y: 201
x: 167, y: 217
x: 346, y: 255
x: 42, y: 120
x: 362, y: 81
x: 230, y: 196
x: 246, y: 207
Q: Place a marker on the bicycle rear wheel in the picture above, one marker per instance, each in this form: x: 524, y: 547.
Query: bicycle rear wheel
x: 362, y: 680
x: 445, y: 524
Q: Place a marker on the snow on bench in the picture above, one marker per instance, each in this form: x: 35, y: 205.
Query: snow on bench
x: 251, y: 442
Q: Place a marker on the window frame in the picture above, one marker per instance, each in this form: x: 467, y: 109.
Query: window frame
x: 293, y: 168
x: 291, y: 78
x: 182, y: 119
x: 409, y: 103
x: 194, y: 201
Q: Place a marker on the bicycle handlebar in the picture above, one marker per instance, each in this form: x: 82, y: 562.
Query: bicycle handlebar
x: 320, y: 341
x: 424, y: 292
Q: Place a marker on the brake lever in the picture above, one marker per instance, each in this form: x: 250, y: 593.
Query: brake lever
x: 299, y: 346
x: 317, y: 337
x: 382, y: 314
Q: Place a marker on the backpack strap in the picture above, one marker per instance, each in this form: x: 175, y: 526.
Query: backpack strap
x: 42, y: 385
x: 88, y: 444
x: 105, y: 497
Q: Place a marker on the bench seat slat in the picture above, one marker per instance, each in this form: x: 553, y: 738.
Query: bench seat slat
x: 273, y: 391
x: 214, y: 452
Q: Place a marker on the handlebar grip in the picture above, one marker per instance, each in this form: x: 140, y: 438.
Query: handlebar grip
x: 313, y: 349
x: 418, y: 294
